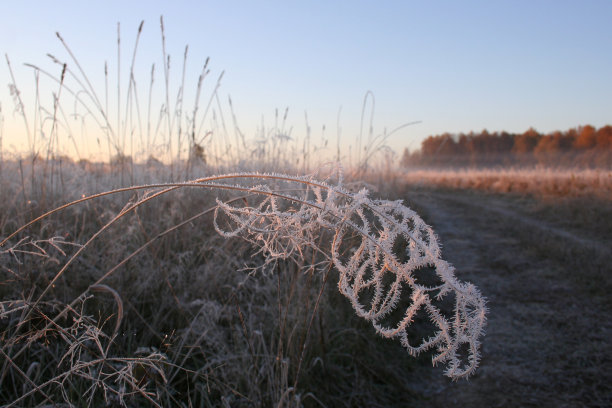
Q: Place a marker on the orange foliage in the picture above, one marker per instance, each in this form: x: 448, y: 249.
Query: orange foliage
x: 581, y: 145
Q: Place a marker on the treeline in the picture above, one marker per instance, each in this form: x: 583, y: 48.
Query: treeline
x: 581, y: 146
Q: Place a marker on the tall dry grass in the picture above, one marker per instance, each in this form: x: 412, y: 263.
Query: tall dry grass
x: 130, y: 297
x: 128, y: 308
x: 168, y: 118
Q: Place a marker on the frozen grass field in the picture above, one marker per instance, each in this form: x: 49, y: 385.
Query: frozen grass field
x: 180, y: 268
x: 132, y: 297
x: 185, y: 316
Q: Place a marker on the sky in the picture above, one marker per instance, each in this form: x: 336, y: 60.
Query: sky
x: 451, y: 66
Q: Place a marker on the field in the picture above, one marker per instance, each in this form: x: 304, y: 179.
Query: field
x: 547, y: 184
x: 186, y: 317
x: 161, y: 260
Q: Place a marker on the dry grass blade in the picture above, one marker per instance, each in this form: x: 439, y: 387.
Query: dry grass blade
x: 118, y: 301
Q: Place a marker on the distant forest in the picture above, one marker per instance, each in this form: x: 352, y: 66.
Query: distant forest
x: 581, y: 146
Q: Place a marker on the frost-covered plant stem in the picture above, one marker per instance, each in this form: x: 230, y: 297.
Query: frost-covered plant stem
x: 380, y: 249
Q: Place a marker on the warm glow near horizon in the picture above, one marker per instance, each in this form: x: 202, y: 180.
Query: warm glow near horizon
x: 453, y: 67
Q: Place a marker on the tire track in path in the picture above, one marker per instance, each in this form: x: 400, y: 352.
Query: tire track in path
x: 496, y: 206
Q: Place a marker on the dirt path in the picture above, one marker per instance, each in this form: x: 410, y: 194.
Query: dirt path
x: 491, y: 205
x: 549, y: 335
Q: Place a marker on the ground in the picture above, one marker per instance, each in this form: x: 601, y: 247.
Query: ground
x: 548, y: 338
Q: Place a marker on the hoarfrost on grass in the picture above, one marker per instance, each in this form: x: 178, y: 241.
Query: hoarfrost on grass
x: 363, y: 234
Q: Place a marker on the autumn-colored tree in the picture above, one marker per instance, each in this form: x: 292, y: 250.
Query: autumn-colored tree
x: 604, y: 137
x: 438, y: 145
x: 526, y: 142
x: 554, y: 143
x: 430, y: 145
x: 587, y: 138
x: 465, y: 144
x: 546, y: 144
x: 589, y: 145
x: 482, y: 142
x: 505, y: 142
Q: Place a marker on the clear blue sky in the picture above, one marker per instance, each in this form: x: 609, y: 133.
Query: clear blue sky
x: 455, y: 66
